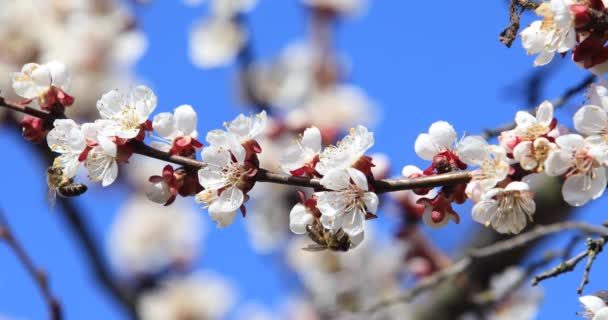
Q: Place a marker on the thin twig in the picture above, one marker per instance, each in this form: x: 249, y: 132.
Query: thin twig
x: 486, y: 252
x: 563, y: 267
x: 594, y: 247
x: 37, y: 274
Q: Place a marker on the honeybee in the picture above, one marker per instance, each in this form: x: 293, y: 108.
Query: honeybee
x: 325, y: 239
x: 62, y: 186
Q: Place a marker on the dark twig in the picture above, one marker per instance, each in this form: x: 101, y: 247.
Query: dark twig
x: 516, y: 8
x: 563, y: 267
x: 37, y: 274
x: 594, y: 247
x: 499, y: 247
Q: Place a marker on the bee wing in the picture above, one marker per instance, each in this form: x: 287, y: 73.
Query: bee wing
x: 314, y: 248
x: 51, y: 197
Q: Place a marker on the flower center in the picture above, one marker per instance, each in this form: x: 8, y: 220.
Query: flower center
x: 128, y: 118
x: 534, y: 131
x: 583, y: 163
x: 206, y: 197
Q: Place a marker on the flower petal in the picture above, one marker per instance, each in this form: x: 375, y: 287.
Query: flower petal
x: 590, y: 120
x: 424, y: 147
x: 185, y: 119
x: 358, y: 178
x: 592, y: 303
x: 299, y: 219
x: 544, y: 113
x: 442, y: 134
x: 311, y: 139
x: 164, y: 125
x: 473, y: 150
x: 337, y: 179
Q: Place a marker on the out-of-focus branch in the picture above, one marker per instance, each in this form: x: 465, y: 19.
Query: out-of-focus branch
x: 37, y: 274
x: 557, y: 103
x: 83, y: 233
x: 487, y: 252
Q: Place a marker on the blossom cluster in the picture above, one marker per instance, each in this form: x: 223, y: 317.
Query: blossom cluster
x: 500, y: 183
x: 333, y: 214
x: 569, y: 25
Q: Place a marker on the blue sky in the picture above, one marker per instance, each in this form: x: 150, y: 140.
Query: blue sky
x: 420, y: 64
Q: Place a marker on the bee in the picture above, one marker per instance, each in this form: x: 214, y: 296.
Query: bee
x: 62, y: 186
x: 325, y: 239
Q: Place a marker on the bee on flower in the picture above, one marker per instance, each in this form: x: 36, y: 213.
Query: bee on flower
x: 348, y: 203
x: 226, y: 180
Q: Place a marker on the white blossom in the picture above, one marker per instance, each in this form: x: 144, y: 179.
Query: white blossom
x: 67, y: 139
x: 532, y: 154
x: 216, y: 42
x: 101, y: 162
x: 597, y: 94
x: 146, y: 238
x: 595, y: 307
x: 239, y: 131
x: 492, y: 160
x: 303, y: 151
x: 221, y: 173
x: 554, y: 34
x: 529, y: 127
x: 581, y: 162
x: 180, y: 123
x: 441, y: 137
x: 347, y: 152
x: 347, y: 205
x: 35, y: 80
x: 201, y: 295
x: 124, y: 113
x: 506, y: 210
x: 158, y: 191
x: 170, y: 126
x: 592, y: 121
x: 300, y: 218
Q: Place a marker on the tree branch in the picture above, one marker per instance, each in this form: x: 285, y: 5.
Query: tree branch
x: 487, y: 252
x: 82, y: 231
x: 37, y: 274
x: 516, y: 8
x: 380, y: 186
